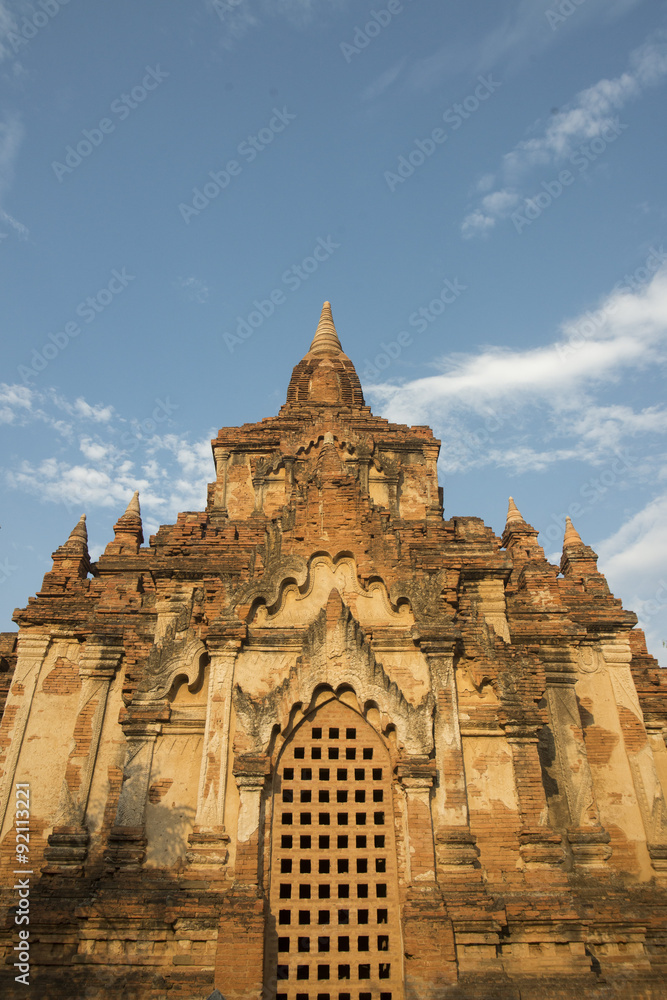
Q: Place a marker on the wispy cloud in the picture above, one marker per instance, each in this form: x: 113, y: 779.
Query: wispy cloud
x: 383, y: 81
x: 194, y: 288
x: 558, y: 384
x: 237, y: 17
x: 7, y: 26
x: 16, y: 402
x: 513, y: 38
x: 11, y: 137
x: 97, y: 457
x: 633, y: 560
x: 591, y: 115
x: 21, y: 405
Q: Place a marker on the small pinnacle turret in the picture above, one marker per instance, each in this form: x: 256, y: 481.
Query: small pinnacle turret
x: 128, y: 530
x: 513, y: 513
x: 579, y: 559
x: 519, y: 537
x: 133, y: 506
x: 79, y: 534
x: 572, y: 536
x: 71, y: 561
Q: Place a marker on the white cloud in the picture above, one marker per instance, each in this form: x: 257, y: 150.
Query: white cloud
x: 638, y: 550
x: 99, y: 414
x: 592, y: 114
x: 102, y: 457
x: 634, y: 560
x: 556, y: 384
x: 493, y: 207
x: 94, y: 450
x: 477, y: 224
x: 499, y: 201
x: 15, y: 400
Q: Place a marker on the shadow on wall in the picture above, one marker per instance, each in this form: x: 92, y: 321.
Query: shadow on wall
x: 167, y: 829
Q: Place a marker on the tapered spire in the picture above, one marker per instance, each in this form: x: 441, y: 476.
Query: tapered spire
x: 128, y: 530
x: 572, y: 536
x: 578, y: 559
x: 71, y: 561
x: 133, y: 506
x: 513, y: 513
x: 519, y: 537
x: 79, y: 534
x: 326, y: 339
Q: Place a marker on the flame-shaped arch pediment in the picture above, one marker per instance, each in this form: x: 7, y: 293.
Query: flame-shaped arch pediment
x: 335, y: 654
x: 299, y: 602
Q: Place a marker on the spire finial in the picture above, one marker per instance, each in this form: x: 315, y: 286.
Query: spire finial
x: 79, y: 532
x: 133, y: 506
x: 326, y: 339
x: 572, y: 536
x: 128, y: 531
x: 513, y: 513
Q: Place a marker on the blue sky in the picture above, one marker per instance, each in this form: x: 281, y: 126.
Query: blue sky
x: 478, y: 189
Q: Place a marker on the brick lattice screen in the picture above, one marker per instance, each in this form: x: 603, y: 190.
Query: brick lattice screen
x: 334, y: 889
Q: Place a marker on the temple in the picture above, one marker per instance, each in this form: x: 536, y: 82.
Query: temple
x: 319, y: 742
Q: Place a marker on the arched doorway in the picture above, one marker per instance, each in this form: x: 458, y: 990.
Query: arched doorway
x: 335, y: 918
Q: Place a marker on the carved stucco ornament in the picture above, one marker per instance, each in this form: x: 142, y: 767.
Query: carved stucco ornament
x: 168, y: 660
x: 590, y: 659
x: 425, y: 600
x: 338, y: 656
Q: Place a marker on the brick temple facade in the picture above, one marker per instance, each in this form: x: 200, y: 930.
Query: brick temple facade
x: 318, y: 742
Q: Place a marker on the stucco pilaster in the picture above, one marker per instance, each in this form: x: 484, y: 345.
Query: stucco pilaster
x: 250, y: 772
x: 209, y: 839
x: 586, y: 836
x: 646, y: 781
x: 32, y: 650
x: 455, y: 844
x: 68, y: 842
x: 127, y: 839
